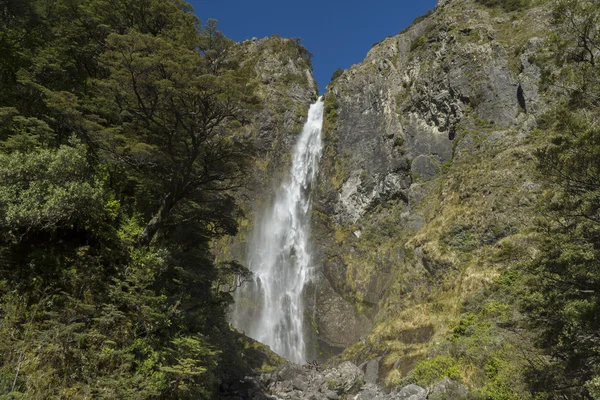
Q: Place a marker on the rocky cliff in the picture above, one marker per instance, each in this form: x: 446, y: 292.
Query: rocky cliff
x: 426, y: 194
x: 426, y: 179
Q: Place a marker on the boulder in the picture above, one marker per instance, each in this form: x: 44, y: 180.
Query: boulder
x: 289, y: 371
x: 372, y: 370
x: 331, y: 395
x: 410, y: 392
x: 371, y: 392
x: 448, y: 389
x: 346, y: 378
x: 300, y: 383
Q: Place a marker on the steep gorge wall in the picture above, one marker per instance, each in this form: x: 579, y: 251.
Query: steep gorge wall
x: 425, y: 179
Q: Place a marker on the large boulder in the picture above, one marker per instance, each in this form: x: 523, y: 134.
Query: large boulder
x: 346, y: 378
x: 410, y: 392
x: 372, y: 370
x: 448, y: 389
x: 290, y: 371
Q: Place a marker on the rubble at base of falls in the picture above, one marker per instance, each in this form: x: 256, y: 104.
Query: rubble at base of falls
x: 346, y: 381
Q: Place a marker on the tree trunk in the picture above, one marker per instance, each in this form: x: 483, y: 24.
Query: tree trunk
x: 158, y: 220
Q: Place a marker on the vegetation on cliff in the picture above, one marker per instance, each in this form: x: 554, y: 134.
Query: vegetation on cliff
x: 489, y: 258
x: 540, y: 321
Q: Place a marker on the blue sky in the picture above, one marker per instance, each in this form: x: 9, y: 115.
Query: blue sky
x: 337, y: 33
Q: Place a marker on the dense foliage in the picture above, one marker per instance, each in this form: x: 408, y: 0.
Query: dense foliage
x: 117, y: 162
x: 563, y: 299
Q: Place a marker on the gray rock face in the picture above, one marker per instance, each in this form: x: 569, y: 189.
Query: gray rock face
x: 418, y: 101
x: 382, y: 146
x: 339, y: 323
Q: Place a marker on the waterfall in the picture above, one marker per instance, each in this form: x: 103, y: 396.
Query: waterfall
x: 270, y: 309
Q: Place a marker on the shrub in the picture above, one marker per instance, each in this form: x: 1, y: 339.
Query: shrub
x: 431, y: 371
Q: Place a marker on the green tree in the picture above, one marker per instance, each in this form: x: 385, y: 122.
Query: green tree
x: 171, y: 125
x: 117, y: 160
x: 564, y: 301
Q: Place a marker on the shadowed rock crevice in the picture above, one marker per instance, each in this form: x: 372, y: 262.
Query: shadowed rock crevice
x: 521, y: 98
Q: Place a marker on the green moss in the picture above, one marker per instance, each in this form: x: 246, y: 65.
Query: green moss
x: 340, y: 169
x: 309, y: 315
x: 401, y: 97
x: 395, y: 59
x: 445, y: 167
x: 399, y: 141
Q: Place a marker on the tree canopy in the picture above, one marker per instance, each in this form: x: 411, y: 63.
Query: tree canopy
x: 118, y: 161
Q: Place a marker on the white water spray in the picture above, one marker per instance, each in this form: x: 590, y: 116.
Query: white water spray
x: 271, y: 308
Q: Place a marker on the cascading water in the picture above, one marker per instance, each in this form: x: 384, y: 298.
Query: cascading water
x: 270, y: 309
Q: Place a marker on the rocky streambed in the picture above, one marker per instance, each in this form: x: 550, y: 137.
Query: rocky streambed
x: 346, y: 381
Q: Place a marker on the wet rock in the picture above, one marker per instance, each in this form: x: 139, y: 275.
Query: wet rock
x: 339, y: 324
